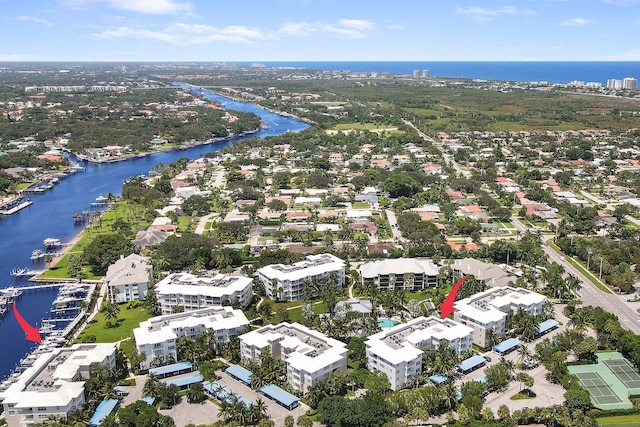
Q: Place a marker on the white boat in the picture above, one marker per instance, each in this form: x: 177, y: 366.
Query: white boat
x: 50, y: 242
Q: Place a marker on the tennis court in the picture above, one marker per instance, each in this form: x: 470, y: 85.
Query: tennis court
x: 600, y: 391
x: 624, y: 371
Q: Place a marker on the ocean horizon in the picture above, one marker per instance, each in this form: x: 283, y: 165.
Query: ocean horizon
x: 520, y: 71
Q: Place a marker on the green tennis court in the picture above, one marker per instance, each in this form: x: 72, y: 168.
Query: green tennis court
x: 601, y: 392
x: 624, y: 371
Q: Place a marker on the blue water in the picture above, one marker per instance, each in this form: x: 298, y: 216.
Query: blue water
x: 51, y: 215
x: 387, y: 323
x: 552, y: 72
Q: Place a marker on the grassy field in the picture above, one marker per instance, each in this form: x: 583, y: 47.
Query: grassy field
x: 128, y: 320
x: 620, y: 421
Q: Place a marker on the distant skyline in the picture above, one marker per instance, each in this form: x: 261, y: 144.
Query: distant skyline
x: 320, y: 30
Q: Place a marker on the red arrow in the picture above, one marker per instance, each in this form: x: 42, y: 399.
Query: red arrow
x: 31, y: 333
x: 446, y: 308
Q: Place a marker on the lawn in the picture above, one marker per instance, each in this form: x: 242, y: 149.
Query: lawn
x: 578, y: 265
x: 128, y: 319
x: 620, y: 421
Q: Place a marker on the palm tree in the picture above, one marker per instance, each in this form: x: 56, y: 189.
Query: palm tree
x: 523, y: 353
x: 152, y: 387
x: 78, y: 417
x: 110, y: 311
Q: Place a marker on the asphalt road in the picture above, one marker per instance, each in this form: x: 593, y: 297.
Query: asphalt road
x: 591, y: 295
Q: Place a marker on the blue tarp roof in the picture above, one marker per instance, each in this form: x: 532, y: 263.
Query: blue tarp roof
x: 185, y: 381
x: 279, y: 395
x: 104, y: 409
x: 471, y: 363
x: 239, y: 372
x: 482, y: 378
x: 169, y: 369
x: 547, y: 325
x: 506, y: 345
x: 438, y: 379
x: 149, y: 400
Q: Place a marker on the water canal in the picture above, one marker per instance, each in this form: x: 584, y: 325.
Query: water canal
x: 51, y: 215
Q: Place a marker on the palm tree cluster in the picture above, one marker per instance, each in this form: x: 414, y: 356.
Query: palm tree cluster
x: 267, y: 370
x: 425, y: 402
x: 167, y: 395
x: 235, y: 411
x: 443, y: 360
x: 197, y: 350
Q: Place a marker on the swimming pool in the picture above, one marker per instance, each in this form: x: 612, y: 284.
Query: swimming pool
x: 387, y: 323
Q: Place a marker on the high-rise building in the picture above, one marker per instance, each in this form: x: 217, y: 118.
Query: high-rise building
x: 416, y: 74
x: 614, y: 84
x: 629, y: 83
x: 425, y: 74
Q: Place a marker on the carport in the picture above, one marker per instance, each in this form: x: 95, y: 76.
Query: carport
x: 281, y: 396
x: 104, y: 409
x: 171, y: 370
x: 546, y: 326
x: 471, y: 363
x: 506, y: 346
x: 239, y: 373
x: 185, y: 382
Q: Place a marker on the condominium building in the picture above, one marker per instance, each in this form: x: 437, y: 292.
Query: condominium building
x: 310, y: 355
x: 192, y: 292
x: 397, y: 351
x: 157, y: 336
x: 488, y: 310
x: 288, y: 282
x: 53, y: 386
x: 629, y: 83
x: 127, y: 279
x: 409, y: 274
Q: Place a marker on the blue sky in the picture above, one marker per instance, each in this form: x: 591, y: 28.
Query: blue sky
x: 320, y: 30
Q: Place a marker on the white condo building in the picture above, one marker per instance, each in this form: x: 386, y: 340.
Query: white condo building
x: 287, y: 282
x: 53, y: 386
x: 397, y: 351
x: 192, y: 292
x: 310, y: 355
x: 158, y: 336
x: 488, y: 310
x: 409, y: 274
x: 127, y: 279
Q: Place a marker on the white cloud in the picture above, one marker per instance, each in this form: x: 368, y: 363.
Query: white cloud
x: 357, y: 24
x: 153, y: 7
x: 480, y: 14
x: 194, y: 34
x: 301, y: 29
x: 344, y: 28
x: 576, y: 22
x: 33, y: 19
x: 188, y: 34
x: 395, y: 27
